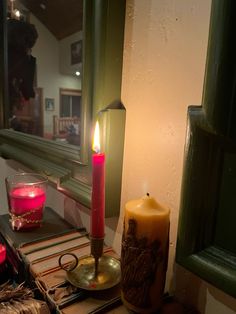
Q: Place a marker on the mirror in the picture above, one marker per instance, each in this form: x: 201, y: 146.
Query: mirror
x: 68, y: 166
x: 205, y: 243
x: 45, y: 68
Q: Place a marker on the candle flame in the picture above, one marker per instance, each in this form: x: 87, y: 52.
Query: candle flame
x: 31, y: 194
x: 96, y: 139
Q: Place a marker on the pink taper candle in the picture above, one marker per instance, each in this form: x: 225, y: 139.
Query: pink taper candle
x: 98, y: 188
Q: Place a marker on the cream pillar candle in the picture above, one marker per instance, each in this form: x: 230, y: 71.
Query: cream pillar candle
x: 144, y: 254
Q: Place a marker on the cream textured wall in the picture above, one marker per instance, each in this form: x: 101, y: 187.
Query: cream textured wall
x: 163, y: 72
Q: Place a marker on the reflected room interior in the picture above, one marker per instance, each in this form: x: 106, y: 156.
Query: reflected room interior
x: 45, y: 68
x: 51, y: 119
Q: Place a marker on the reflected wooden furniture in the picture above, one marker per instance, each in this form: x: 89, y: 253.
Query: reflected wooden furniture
x: 28, y: 118
x: 66, y: 128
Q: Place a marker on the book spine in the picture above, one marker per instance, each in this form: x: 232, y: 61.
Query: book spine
x: 55, y: 243
x: 53, y: 236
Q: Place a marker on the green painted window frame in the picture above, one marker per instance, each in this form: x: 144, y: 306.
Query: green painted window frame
x: 209, y: 166
x: 68, y: 167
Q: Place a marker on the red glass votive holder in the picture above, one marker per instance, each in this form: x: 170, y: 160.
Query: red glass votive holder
x: 26, y: 194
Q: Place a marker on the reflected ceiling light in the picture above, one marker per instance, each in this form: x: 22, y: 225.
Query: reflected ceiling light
x: 16, y: 13
x: 77, y: 73
x: 13, y: 13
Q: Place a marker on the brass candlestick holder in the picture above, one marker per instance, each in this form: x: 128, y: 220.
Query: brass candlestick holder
x: 93, y: 272
x: 96, y: 251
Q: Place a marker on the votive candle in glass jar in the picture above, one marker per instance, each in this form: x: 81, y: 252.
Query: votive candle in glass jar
x: 26, y: 194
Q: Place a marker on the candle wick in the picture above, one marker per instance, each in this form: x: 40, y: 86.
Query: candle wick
x: 147, y: 194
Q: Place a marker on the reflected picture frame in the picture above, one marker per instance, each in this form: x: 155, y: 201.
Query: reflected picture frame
x: 76, y: 52
x: 49, y: 104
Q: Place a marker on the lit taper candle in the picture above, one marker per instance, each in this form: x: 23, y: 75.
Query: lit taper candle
x: 98, y: 188
x: 98, y: 200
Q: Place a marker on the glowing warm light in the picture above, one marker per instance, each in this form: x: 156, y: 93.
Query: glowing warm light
x: 32, y: 194
x: 96, y: 139
x: 77, y: 73
x: 17, y: 13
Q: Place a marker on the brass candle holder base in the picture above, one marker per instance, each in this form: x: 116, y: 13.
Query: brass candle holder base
x: 95, y: 271
x: 83, y: 276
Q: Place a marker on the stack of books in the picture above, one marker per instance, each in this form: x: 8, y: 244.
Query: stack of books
x: 35, y: 254
x: 41, y: 258
x: 53, y: 225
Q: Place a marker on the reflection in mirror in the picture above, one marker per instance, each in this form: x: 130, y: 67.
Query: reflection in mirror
x: 67, y: 166
x: 45, y: 68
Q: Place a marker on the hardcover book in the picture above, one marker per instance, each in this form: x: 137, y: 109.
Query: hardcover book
x: 53, y: 226
x: 48, y: 264
x: 58, y: 247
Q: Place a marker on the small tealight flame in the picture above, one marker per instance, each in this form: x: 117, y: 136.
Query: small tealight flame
x: 96, y: 139
x: 31, y: 194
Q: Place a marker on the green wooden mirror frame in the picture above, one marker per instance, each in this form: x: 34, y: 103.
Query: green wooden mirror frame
x: 206, y: 243
x: 68, y: 167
